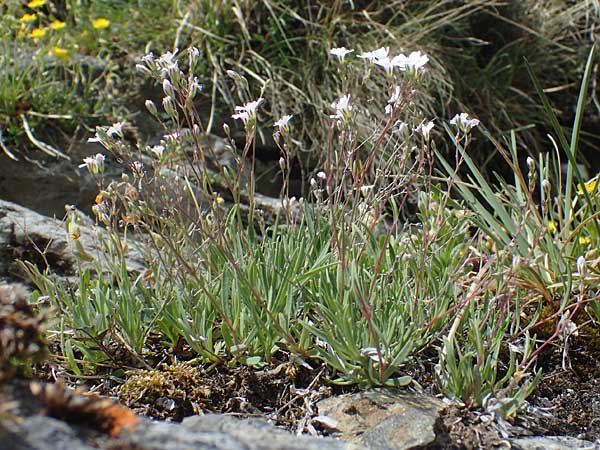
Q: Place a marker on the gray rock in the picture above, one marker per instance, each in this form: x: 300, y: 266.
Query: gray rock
x: 42, y: 433
x: 552, y: 443
x: 212, y: 432
x: 220, y: 432
x: 383, y: 419
x: 25, y: 233
x: 45, y: 184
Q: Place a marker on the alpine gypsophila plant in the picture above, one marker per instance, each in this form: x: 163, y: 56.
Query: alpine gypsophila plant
x: 380, y: 258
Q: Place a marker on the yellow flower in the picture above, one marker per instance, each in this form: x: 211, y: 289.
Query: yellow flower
x: 28, y: 17
x: 37, y: 33
x: 61, y: 53
x: 74, y: 232
x: 551, y: 226
x: 36, y: 3
x: 57, y: 25
x: 590, y: 186
x: 585, y: 240
x: 100, y: 23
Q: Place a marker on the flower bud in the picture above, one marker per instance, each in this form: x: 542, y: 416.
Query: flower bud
x: 196, y: 130
x: 193, y: 54
x: 581, y: 266
x: 169, y: 106
x: 168, y: 88
x: 546, y: 186
x: 143, y: 69
x: 530, y: 163
x: 151, y: 107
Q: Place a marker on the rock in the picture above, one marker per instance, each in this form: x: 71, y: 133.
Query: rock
x: 552, y: 443
x: 25, y: 233
x: 45, y: 184
x: 42, y: 433
x: 221, y: 432
x: 384, y: 419
x: 211, y: 432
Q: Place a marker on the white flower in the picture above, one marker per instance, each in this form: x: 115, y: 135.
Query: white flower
x: 399, y: 61
x: 247, y: 112
x: 195, y: 87
x: 243, y: 116
x: 342, y: 107
x: 386, y: 63
x: 148, y: 58
x: 167, y: 58
x: 282, y: 123
x: 193, y: 54
x: 365, y: 189
x: 158, y: 150
x: 115, y: 128
x: 395, y: 98
x: 402, y: 129
x: 340, y: 52
x: 416, y: 60
x: 463, y: 122
x: 137, y: 167
x: 424, y: 129
x: 322, y: 175
x: 251, y: 107
x: 94, y: 164
x: 393, y: 101
x: 173, y: 137
x: 380, y: 53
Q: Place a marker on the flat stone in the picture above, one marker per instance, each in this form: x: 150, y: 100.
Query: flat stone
x: 42, y: 433
x: 221, y: 432
x: 552, y: 443
x: 383, y: 419
x: 24, y: 233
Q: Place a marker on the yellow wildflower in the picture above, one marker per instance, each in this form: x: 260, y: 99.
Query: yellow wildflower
x: 551, y: 226
x: 74, y: 232
x: 61, y: 53
x: 57, y: 25
x: 36, y: 3
x: 585, y: 240
x: 99, y: 198
x: 100, y: 23
x: 131, y: 219
x: 37, y: 33
x: 220, y: 200
x: 590, y: 186
x: 28, y: 17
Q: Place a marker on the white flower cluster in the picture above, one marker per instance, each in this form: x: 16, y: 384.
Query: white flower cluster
x: 247, y: 112
x: 413, y: 63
